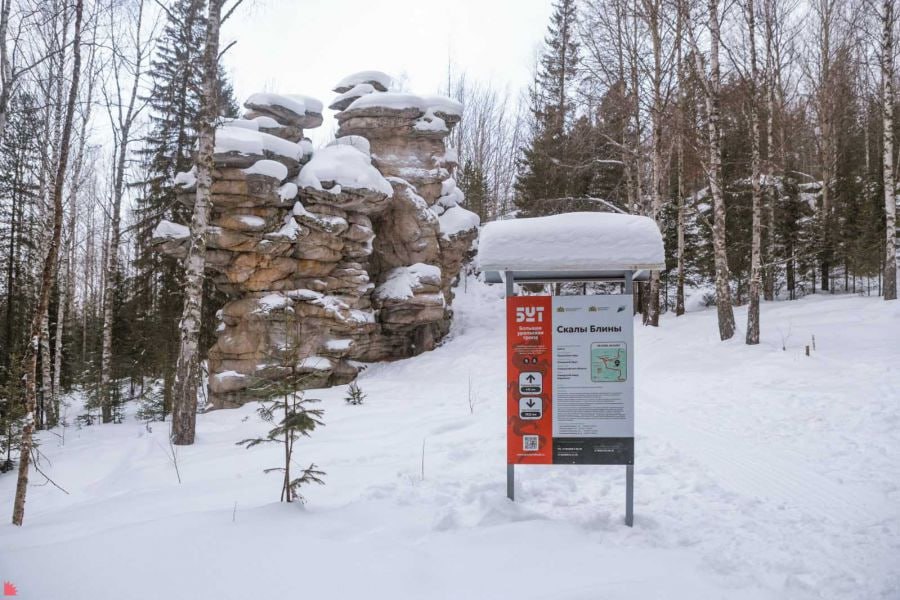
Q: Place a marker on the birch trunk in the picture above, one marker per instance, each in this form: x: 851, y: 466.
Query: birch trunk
x: 890, y: 197
x: 5, y: 67
x: 62, y: 299
x: 827, y: 146
x: 752, y: 337
x: 654, y: 24
x: 67, y: 286
x: 46, y: 379
x: 679, y: 161
x: 112, y: 251
x: 771, y: 272
x: 49, y: 269
x: 634, y: 60
x: 723, y: 290
x: 187, y: 370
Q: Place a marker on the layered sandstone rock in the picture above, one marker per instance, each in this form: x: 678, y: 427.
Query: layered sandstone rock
x: 335, y: 257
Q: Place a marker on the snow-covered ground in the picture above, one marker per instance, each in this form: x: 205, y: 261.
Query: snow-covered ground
x: 761, y: 473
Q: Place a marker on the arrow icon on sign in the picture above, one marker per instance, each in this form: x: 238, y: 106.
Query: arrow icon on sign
x: 530, y: 378
x: 530, y: 403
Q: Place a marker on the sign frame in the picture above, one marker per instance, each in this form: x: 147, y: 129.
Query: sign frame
x: 510, y: 278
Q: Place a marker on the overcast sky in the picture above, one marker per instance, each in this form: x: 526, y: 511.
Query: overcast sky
x: 306, y: 46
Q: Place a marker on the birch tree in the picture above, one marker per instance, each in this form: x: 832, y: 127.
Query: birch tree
x: 711, y: 83
x: 679, y: 155
x: 756, y: 234
x: 653, y: 13
x: 187, y: 370
x: 820, y: 64
x: 123, y: 109
x: 887, y: 108
x: 47, y: 274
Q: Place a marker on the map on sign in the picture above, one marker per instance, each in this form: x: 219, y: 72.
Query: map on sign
x: 609, y: 361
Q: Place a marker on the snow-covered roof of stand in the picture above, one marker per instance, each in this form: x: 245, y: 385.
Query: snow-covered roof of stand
x: 579, y: 241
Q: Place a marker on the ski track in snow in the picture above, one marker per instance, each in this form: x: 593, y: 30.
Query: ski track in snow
x: 760, y: 473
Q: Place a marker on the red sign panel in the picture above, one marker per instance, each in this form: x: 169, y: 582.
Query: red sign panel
x: 529, y: 393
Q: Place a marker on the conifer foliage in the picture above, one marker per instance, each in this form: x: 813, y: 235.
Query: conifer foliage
x: 286, y: 408
x: 355, y: 395
x: 546, y: 168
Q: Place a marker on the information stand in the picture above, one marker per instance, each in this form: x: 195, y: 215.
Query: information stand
x: 571, y: 359
x: 570, y: 379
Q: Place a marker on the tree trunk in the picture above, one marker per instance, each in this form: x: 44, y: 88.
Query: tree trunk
x: 49, y: 269
x: 5, y: 67
x: 756, y: 234
x: 653, y: 22
x: 46, y: 378
x: 187, y: 370
x: 723, y: 290
x: 112, y: 251
x: 827, y: 144
x: 890, y: 197
x: 62, y: 286
x: 771, y: 271
x: 679, y: 164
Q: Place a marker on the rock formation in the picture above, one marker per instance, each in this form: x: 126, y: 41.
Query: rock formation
x: 331, y: 258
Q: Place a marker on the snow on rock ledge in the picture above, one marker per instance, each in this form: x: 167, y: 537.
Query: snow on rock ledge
x: 410, y: 297
x: 344, y: 100
x: 269, y: 168
x: 377, y: 79
x: 405, y: 282
x: 241, y: 147
x: 167, y: 230
x: 456, y: 220
x: 334, y: 168
x: 444, y: 107
x: 572, y: 242
x: 290, y: 109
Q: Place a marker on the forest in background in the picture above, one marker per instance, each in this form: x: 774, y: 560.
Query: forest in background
x: 758, y: 134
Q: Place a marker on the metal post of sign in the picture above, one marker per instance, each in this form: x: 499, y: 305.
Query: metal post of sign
x: 629, y: 469
x: 510, y: 468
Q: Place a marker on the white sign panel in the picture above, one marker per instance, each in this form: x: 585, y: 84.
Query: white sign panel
x: 593, y: 379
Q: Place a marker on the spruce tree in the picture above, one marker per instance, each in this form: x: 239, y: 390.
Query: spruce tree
x: 473, y: 184
x: 19, y: 152
x: 547, y: 169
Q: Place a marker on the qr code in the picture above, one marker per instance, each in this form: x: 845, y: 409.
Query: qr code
x: 530, y: 443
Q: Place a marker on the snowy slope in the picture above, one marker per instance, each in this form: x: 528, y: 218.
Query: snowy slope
x: 761, y: 473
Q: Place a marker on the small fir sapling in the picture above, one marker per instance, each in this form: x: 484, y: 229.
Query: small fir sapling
x: 283, y: 404
x: 355, y: 395
x: 286, y: 409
